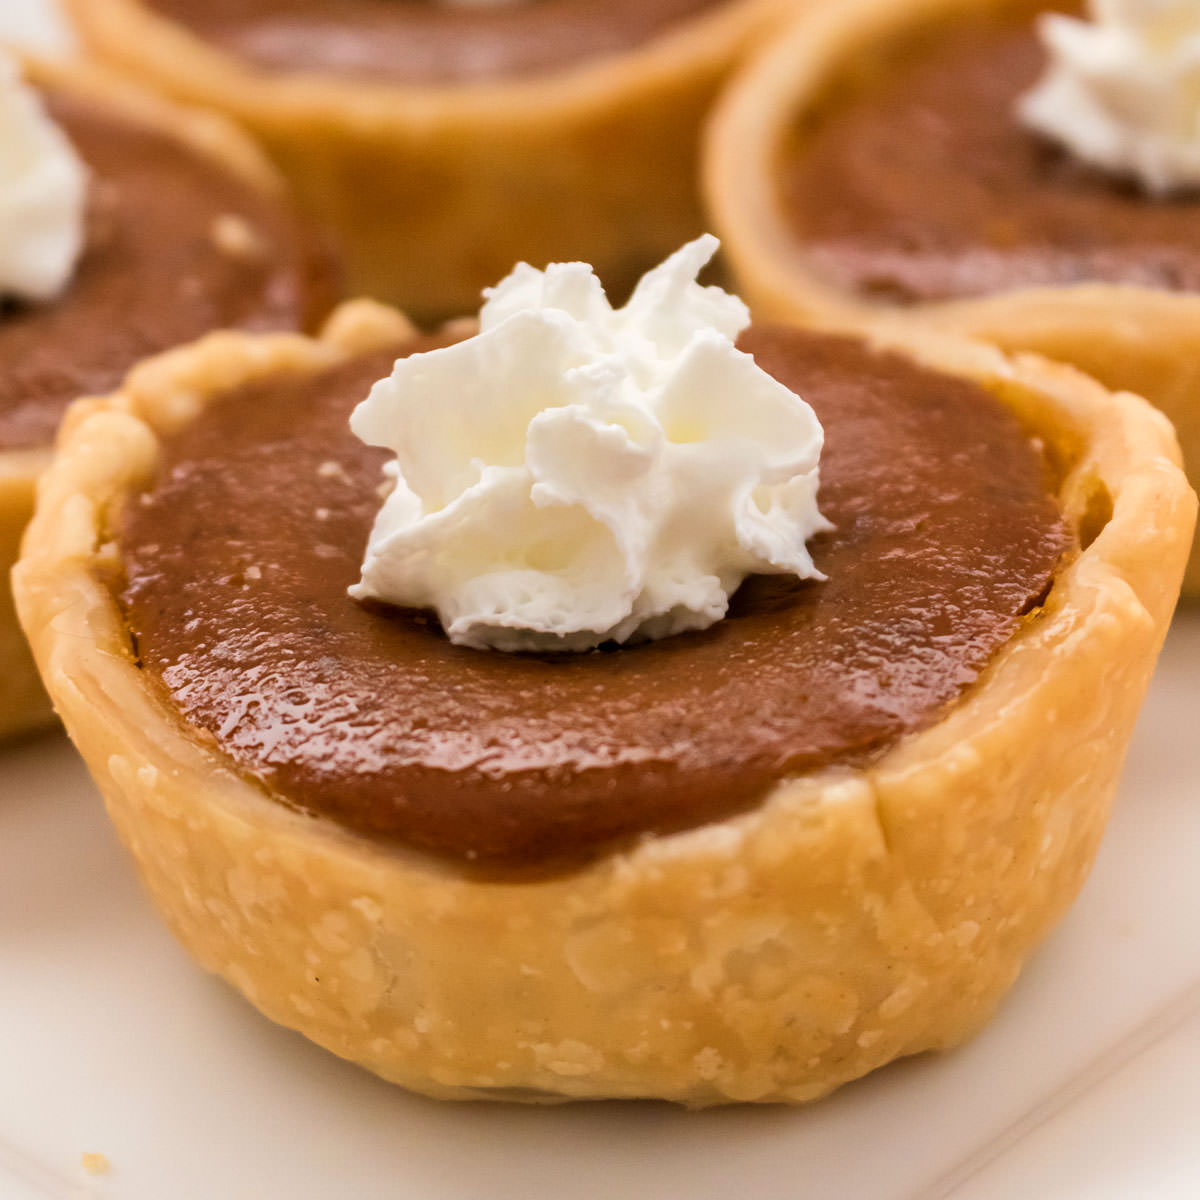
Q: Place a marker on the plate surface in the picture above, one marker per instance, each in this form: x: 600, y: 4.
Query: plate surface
x: 1087, y: 1085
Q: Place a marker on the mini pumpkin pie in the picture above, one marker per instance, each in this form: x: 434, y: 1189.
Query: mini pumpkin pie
x: 445, y: 141
x: 750, y: 861
x: 186, y: 230
x: 875, y: 162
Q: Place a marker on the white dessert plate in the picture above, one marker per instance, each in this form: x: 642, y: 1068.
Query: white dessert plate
x: 1087, y: 1086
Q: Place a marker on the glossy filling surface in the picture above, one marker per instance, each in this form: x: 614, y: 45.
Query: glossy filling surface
x: 913, y: 180
x: 424, y: 41
x: 239, y: 554
x: 175, y: 247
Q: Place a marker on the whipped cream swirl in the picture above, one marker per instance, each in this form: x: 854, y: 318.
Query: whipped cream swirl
x: 577, y: 474
x: 1123, y: 91
x: 43, y: 195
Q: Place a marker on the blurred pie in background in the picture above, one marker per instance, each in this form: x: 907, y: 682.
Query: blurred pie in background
x: 184, y: 229
x: 446, y: 141
x: 1022, y: 170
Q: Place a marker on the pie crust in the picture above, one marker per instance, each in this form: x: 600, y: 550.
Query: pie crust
x: 436, y: 191
x: 24, y: 707
x: 1130, y: 338
x: 853, y: 916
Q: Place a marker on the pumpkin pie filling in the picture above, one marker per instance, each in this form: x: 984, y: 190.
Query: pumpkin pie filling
x: 238, y: 556
x: 175, y: 246
x: 916, y: 181
x: 424, y: 42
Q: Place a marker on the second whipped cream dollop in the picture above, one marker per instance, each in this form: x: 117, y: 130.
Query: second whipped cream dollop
x: 577, y: 474
x: 1123, y: 92
x: 43, y: 195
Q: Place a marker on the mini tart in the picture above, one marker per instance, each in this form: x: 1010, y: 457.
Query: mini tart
x: 436, y: 190
x: 850, y: 917
x: 1133, y: 338
x: 24, y: 706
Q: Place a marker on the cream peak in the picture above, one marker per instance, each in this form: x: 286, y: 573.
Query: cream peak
x: 43, y: 195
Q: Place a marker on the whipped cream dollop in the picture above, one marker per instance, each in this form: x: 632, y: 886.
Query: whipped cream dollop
x: 38, y: 25
x: 576, y: 474
x: 1123, y: 90
x: 43, y: 195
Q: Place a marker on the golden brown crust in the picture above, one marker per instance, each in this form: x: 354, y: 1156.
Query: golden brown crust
x: 437, y: 191
x: 1130, y: 338
x: 853, y: 917
x: 24, y: 707
x: 205, y: 133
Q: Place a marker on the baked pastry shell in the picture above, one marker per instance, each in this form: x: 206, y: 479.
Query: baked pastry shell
x: 853, y: 916
x: 1136, y: 339
x: 435, y: 191
x: 24, y: 707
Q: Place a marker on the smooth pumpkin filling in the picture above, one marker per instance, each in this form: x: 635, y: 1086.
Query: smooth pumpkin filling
x: 425, y: 42
x: 947, y: 539
x: 176, y: 247
x: 913, y: 179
